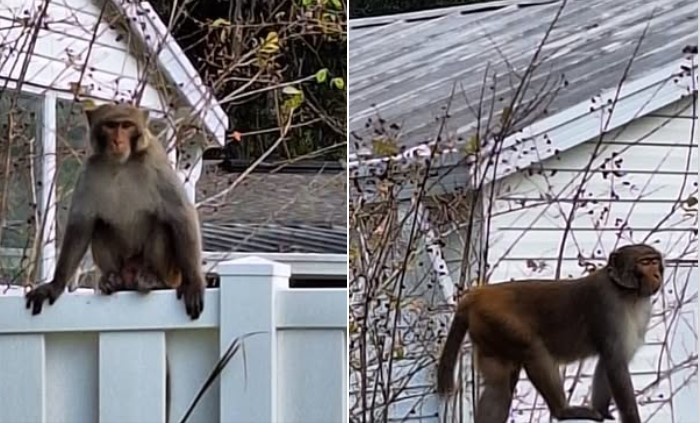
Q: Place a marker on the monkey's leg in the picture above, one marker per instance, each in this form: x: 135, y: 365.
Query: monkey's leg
x: 500, y: 378
x: 601, y: 392
x: 106, y: 257
x: 543, y: 372
x: 160, y: 271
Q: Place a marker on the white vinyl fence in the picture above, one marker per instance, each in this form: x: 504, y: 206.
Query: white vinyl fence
x: 94, y: 358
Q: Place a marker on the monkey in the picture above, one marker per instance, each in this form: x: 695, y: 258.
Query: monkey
x: 131, y: 209
x: 133, y: 276
x: 536, y: 325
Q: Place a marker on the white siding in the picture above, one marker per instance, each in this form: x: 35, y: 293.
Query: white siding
x: 62, y: 46
x: 658, y: 156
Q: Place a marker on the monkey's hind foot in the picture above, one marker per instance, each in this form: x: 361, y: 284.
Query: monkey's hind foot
x: 146, y: 281
x: 579, y: 412
x: 111, y: 283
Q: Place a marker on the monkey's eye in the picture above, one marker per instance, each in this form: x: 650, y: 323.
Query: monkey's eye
x: 649, y: 261
x: 111, y: 125
x: 127, y: 125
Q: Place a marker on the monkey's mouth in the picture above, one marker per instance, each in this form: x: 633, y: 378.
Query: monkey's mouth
x: 647, y: 290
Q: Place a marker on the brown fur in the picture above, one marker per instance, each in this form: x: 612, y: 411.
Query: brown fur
x: 536, y: 325
x: 131, y: 208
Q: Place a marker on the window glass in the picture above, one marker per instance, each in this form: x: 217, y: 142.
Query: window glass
x: 20, y: 149
x: 72, y: 148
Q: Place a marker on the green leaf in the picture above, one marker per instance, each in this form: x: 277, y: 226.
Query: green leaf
x: 321, y: 75
x: 293, y: 102
x: 307, y: 3
x: 289, y: 90
x: 382, y: 146
x: 337, y: 4
x: 271, y: 43
x: 338, y: 82
x: 220, y: 22
x: 472, y: 145
x: 88, y: 104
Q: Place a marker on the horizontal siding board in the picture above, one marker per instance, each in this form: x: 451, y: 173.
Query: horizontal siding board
x: 641, y: 219
x: 657, y: 167
x: 674, y: 131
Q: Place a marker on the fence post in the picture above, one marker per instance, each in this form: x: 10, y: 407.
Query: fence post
x: 247, y: 304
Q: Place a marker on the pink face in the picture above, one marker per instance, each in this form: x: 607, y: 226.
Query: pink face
x: 117, y: 137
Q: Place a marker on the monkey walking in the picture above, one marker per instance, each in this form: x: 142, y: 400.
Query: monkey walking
x: 130, y: 207
x: 537, y: 325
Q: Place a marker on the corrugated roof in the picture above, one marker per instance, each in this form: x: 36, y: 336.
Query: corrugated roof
x: 271, y: 238
x: 405, y: 67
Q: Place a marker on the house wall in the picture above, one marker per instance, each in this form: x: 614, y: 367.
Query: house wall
x: 658, y: 160
x: 63, y: 44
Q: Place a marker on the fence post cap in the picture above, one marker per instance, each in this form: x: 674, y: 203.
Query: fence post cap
x: 253, y: 266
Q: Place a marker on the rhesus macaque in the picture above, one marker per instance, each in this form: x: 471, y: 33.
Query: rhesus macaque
x: 131, y: 208
x: 536, y: 325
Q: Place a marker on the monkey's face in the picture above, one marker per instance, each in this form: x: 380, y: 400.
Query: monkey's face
x: 117, y: 137
x: 117, y: 130
x: 649, y: 269
x: 637, y: 267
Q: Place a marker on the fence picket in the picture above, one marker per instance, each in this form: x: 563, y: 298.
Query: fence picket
x: 132, y: 369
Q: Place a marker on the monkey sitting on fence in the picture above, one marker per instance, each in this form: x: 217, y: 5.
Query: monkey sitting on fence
x: 130, y: 207
x: 537, y: 325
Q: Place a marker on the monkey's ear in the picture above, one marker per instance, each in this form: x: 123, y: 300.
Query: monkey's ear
x: 620, y: 272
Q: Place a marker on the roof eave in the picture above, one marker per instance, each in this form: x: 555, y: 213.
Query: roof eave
x: 174, y: 63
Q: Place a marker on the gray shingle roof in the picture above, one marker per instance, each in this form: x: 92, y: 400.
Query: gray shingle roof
x: 274, y: 212
x: 279, y: 198
x: 405, y: 67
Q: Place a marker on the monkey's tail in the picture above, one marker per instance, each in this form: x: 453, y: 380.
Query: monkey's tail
x: 448, y: 359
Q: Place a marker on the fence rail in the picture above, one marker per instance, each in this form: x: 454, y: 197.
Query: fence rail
x: 90, y: 358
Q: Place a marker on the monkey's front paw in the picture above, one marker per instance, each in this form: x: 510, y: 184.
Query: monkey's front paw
x: 36, y: 297
x: 193, y: 295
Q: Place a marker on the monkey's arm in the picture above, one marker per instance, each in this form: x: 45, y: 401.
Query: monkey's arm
x: 181, y: 218
x: 76, y: 239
